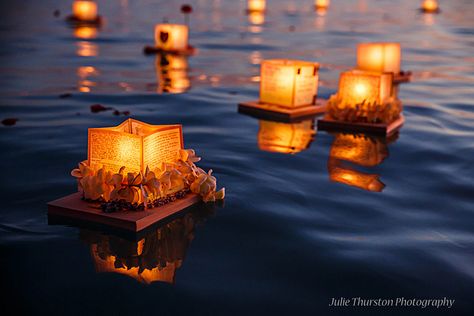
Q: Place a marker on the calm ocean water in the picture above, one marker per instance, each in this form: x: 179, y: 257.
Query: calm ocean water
x: 295, y: 230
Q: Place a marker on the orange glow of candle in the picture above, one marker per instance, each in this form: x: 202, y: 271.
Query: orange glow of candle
x: 171, y: 36
x: 288, y: 83
x: 429, y: 6
x: 256, y: 5
x: 358, y: 86
x: 381, y: 57
x: 85, y: 32
x: 286, y: 138
x: 172, y: 74
x: 322, y: 4
x: 85, y: 10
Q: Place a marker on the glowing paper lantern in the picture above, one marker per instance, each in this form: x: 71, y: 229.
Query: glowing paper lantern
x: 172, y: 73
x: 356, y: 87
x: 430, y: 6
x: 256, y: 5
x: 135, y: 145
x: 288, y: 83
x: 284, y: 137
x: 171, y: 37
x: 322, y: 4
x: 381, y: 57
x: 84, y: 10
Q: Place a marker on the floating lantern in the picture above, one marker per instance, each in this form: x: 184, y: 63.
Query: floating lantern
x: 286, y: 138
x: 322, y: 4
x: 430, y: 6
x: 171, y: 37
x: 357, y: 87
x: 84, y: 10
x: 172, y: 74
x: 381, y: 57
x: 288, y: 83
x: 256, y: 5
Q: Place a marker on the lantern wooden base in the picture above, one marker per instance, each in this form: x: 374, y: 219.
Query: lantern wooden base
x: 72, y: 206
x: 152, y: 50
x: 74, y: 21
x: 279, y: 113
x: 327, y: 124
x: 402, y: 77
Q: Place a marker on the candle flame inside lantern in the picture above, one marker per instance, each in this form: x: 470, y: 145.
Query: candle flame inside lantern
x: 286, y: 138
x: 85, y: 10
x: 256, y: 5
x: 322, y: 4
x: 357, y: 86
x: 380, y: 57
x: 430, y: 5
x: 171, y: 36
x: 288, y: 83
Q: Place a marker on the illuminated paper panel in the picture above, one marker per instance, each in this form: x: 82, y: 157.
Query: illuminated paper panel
x: 288, y: 83
x: 135, y: 145
x: 256, y: 5
x: 381, y: 57
x: 322, y: 4
x: 284, y: 137
x: 171, y: 36
x: 357, y: 86
x: 85, y: 10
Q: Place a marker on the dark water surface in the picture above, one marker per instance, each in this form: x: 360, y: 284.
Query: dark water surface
x: 287, y: 239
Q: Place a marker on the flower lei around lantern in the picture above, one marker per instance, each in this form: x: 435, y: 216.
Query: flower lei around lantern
x: 364, y: 112
x: 137, y: 190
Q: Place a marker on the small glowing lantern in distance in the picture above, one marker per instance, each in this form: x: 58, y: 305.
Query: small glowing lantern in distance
x: 322, y: 4
x: 284, y: 137
x: 84, y: 10
x: 381, y: 57
x: 288, y: 83
x: 356, y: 87
x: 430, y: 6
x: 256, y: 5
x: 171, y: 36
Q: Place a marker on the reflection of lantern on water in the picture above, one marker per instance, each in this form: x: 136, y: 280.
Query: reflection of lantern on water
x: 172, y: 73
x: 256, y: 17
x: 85, y: 32
x: 171, y: 37
x: 429, y: 6
x: 322, y: 4
x: 288, y: 83
x: 84, y: 10
x: 361, y: 150
x: 287, y: 138
x: 380, y: 57
x: 87, y: 49
x: 156, y: 257
x: 256, y: 5
x: 84, y: 73
x: 357, y: 86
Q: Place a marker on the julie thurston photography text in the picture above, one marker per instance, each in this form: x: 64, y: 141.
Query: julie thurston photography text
x: 391, y: 302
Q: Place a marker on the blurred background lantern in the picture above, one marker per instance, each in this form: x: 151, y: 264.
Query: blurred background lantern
x: 322, y: 4
x: 288, y: 83
x: 84, y: 10
x: 171, y: 37
x: 286, y: 138
x: 381, y: 57
x: 430, y: 6
x: 256, y: 5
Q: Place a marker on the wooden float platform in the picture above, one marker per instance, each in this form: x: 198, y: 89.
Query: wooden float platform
x: 327, y: 124
x: 279, y: 113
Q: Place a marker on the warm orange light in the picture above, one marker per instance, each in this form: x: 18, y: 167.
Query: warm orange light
x: 256, y: 18
x: 359, y: 149
x: 171, y: 36
x: 430, y: 5
x: 285, y: 137
x: 357, y: 86
x: 256, y: 5
x: 381, y: 57
x: 322, y: 4
x: 85, y: 32
x: 84, y: 10
x: 288, y: 83
x: 349, y: 176
x: 172, y: 74
x: 134, y: 145
x: 87, y: 49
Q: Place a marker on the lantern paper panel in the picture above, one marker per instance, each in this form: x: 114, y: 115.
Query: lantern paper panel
x: 134, y: 145
x: 358, y: 86
x: 171, y: 36
x: 287, y: 138
x: 85, y: 10
x: 380, y: 57
x: 256, y: 5
x: 288, y: 83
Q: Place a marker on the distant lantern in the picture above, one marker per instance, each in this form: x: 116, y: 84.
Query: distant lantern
x: 288, y: 83
x: 287, y: 138
x: 256, y: 5
x: 357, y: 87
x: 84, y: 10
x: 430, y: 6
x: 172, y: 73
x: 381, y: 57
x: 322, y: 4
x: 171, y: 37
